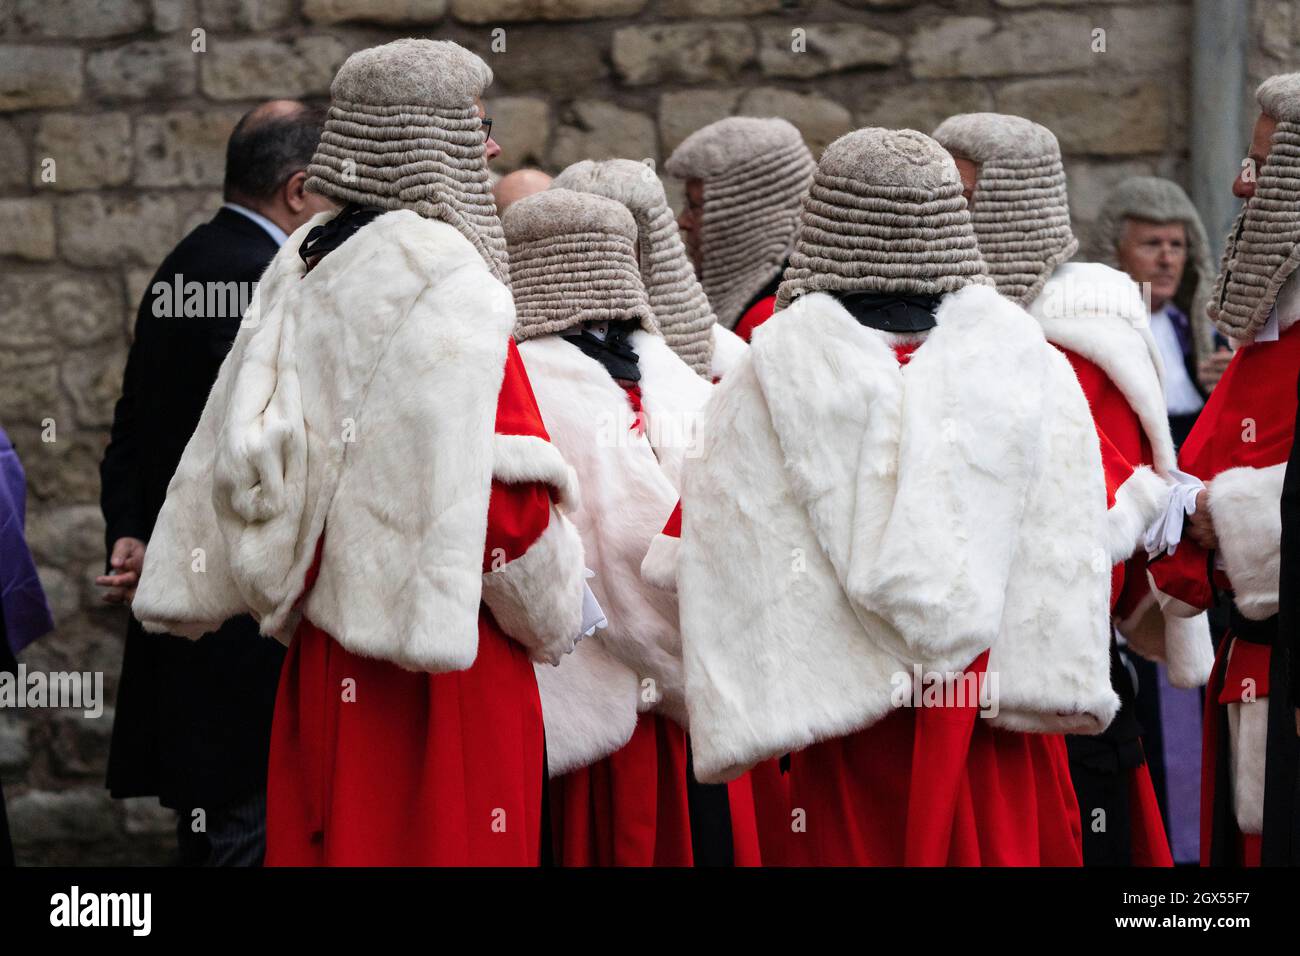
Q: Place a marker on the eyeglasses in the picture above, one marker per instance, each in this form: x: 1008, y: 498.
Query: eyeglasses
x: 487, y: 128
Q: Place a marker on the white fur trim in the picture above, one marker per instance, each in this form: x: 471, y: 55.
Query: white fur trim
x: 518, y: 459
x: 728, y: 347
x: 537, y: 597
x: 1245, y: 504
x: 660, y: 564
x: 1098, y: 313
x: 1189, y: 650
x: 1143, y: 629
x: 310, y: 423
x: 1248, y: 736
x: 673, y: 404
x: 589, y: 705
x: 809, y: 578
x: 1141, y: 499
x: 1183, y: 644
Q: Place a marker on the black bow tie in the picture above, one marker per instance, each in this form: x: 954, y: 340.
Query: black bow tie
x: 613, y: 351
x: 328, y: 236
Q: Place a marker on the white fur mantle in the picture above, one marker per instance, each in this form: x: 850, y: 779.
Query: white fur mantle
x: 629, y: 488
x: 847, y: 518
x: 360, y: 397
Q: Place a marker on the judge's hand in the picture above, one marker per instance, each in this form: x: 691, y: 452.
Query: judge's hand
x: 127, y: 561
x: 1210, y: 369
x: 1200, y: 527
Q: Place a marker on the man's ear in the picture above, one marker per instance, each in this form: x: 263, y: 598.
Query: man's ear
x: 294, y: 192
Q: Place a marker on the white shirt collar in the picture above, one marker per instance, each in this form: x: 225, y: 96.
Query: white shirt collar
x: 272, y: 230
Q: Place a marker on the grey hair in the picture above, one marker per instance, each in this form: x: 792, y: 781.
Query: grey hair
x: 573, y: 258
x: 681, y: 309
x: 403, y: 132
x: 885, y: 214
x: 756, y: 173
x: 1152, y: 199
x: 1020, y: 209
x: 1263, y: 247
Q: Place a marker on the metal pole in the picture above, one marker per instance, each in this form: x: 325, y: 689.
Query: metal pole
x: 1219, y: 125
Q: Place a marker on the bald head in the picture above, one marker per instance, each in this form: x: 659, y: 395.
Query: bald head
x: 266, y: 162
x: 513, y: 187
x: 273, y: 109
x: 269, y: 144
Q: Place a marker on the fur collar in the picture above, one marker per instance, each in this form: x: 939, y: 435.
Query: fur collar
x: 309, y: 424
x: 1098, y: 313
x: 847, y: 518
x: 841, y: 443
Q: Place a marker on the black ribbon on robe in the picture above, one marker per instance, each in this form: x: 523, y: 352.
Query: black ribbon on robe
x: 613, y: 351
x: 891, y: 312
x: 328, y: 236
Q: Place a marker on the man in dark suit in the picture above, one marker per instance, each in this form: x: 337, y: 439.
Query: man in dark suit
x: 193, y: 719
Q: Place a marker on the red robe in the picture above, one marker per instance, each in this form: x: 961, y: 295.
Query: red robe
x: 1248, y: 422
x: 1124, y: 446
x: 957, y: 792
x: 375, y: 765
x: 759, y: 800
x: 754, y: 316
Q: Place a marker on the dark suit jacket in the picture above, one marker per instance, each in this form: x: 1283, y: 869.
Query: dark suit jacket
x: 193, y: 719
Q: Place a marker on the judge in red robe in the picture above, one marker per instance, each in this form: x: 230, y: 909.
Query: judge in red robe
x: 1015, y: 187
x: 1239, y: 447
x: 878, y: 572
x: 371, y: 480
x: 1096, y: 316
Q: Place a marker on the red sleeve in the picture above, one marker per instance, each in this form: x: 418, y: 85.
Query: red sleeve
x: 1118, y: 470
x: 517, y: 513
x: 1184, y: 575
x: 754, y: 316
x: 517, y: 411
x: 1111, y: 411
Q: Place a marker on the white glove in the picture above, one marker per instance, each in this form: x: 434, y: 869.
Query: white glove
x: 1166, y: 531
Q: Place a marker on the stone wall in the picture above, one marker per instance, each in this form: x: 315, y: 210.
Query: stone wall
x: 113, y: 118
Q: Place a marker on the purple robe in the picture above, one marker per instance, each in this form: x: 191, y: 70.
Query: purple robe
x: 26, y: 613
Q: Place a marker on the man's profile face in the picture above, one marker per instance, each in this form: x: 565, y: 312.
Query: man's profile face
x: 1260, y: 141
x: 1154, y: 253
x: 691, y: 219
x: 491, y: 149
x: 969, y: 171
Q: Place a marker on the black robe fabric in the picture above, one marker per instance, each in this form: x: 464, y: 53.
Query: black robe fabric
x: 193, y: 719
x: 1281, y: 841
x: 1100, y: 769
